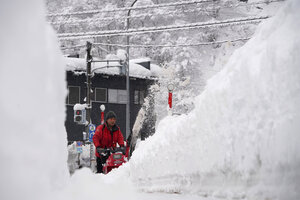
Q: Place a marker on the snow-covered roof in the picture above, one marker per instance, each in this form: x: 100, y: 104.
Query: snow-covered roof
x: 135, y: 70
x: 140, y: 60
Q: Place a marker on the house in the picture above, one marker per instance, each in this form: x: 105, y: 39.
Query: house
x: 108, y: 85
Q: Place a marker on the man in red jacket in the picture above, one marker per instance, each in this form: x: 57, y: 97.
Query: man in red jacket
x: 107, y: 136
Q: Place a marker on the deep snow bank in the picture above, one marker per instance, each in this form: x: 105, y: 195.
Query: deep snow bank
x: 242, y: 139
x: 33, y: 149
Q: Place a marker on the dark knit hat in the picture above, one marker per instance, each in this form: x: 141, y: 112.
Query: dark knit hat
x: 110, y: 115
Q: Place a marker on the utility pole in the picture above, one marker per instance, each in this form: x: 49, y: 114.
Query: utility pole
x: 88, y: 94
x: 88, y: 84
x: 128, y: 131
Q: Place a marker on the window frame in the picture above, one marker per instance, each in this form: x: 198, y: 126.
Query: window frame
x: 139, y: 94
x: 142, y: 100
x: 124, y: 94
x: 118, y: 96
x: 68, y: 96
x: 95, y: 95
x: 136, y: 94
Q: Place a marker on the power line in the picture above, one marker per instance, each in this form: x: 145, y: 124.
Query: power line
x: 75, y: 21
x: 253, y: 3
x: 181, y: 3
x: 90, y: 20
x: 175, y: 45
x: 162, y: 46
x: 82, y: 35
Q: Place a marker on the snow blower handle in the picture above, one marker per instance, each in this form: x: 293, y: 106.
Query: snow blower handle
x: 120, y: 149
x: 103, y: 151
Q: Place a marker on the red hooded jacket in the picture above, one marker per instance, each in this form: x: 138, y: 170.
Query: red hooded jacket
x: 104, y: 139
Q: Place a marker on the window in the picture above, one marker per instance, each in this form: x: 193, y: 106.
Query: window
x: 136, y: 97
x: 73, y: 95
x: 117, y: 96
x: 139, y: 96
x: 122, y: 96
x: 112, y: 96
x: 142, y: 97
x: 100, y: 94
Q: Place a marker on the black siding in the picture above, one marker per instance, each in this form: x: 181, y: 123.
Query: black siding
x: 74, y: 131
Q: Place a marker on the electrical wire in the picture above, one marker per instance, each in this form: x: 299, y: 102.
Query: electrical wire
x: 82, y: 35
x: 122, y: 19
x: 75, y: 21
x: 162, y: 46
x: 181, y: 3
x: 252, y: 3
x: 175, y: 45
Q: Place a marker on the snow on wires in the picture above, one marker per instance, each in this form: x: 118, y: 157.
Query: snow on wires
x: 82, y: 35
x: 181, y: 3
x: 122, y: 19
x: 175, y: 45
x: 161, y: 46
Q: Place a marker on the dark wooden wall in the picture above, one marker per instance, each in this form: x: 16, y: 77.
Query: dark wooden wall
x: 74, y: 131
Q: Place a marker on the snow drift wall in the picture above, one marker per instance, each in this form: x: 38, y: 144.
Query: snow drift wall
x: 242, y: 139
x: 33, y: 149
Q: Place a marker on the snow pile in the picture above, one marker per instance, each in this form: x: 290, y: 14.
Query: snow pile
x: 33, y: 151
x: 80, y: 158
x: 242, y: 139
x: 137, y: 70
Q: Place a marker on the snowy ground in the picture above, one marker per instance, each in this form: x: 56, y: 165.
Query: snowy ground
x: 240, y: 142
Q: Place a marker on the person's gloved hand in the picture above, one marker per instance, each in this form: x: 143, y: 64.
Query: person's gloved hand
x: 107, y: 151
x: 100, y: 150
x: 123, y: 150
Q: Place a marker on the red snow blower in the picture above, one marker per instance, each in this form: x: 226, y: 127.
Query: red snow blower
x: 115, y: 159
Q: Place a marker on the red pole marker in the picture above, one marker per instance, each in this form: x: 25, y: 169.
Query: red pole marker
x: 170, y: 99
x: 102, y: 117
